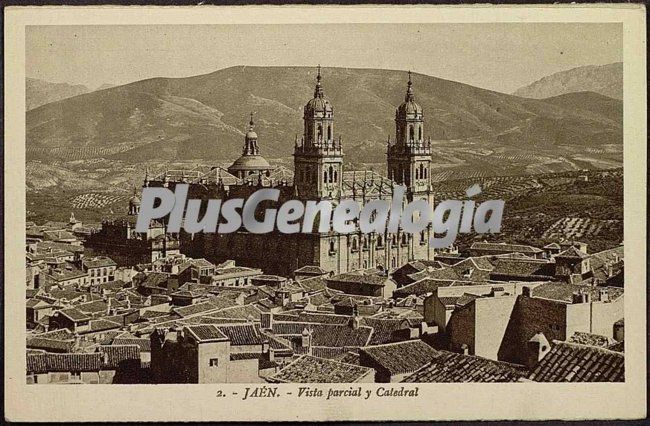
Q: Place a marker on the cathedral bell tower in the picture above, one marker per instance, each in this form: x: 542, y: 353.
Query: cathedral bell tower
x: 318, y: 157
x: 409, y: 155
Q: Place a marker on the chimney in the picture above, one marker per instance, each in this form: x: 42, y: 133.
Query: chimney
x: 465, y: 349
x: 105, y: 358
x: 271, y: 355
x: 538, y: 346
x: 525, y: 290
x: 576, y: 297
x: 604, y: 295
x: 266, y: 321
x: 306, y: 339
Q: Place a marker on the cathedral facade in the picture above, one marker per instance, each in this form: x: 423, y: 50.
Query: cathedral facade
x: 319, y: 174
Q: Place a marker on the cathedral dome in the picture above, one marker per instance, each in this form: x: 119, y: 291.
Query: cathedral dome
x: 319, y: 104
x: 251, y: 134
x: 250, y: 162
x: 135, y: 200
x: 409, y: 108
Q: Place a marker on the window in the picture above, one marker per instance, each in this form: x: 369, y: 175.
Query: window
x: 411, y: 133
x: 380, y: 241
x: 325, y: 176
x: 332, y: 247
x: 214, y: 362
x: 320, y: 132
x: 422, y: 237
x: 354, y: 244
x: 331, y: 174
x: 420, y: 132
x: 329, y: 132
x: 336, y: 177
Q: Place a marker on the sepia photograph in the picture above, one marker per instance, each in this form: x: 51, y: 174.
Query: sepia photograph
x: 150, y: 259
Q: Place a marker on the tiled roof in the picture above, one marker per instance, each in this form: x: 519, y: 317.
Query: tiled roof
x: 313, y: 284
x: 67, y: 294
x: 326, y: 334
x: 446, y: 273
x: 384, y: 329
x: 103, y: 324
x: 349, y: 357
x: 402, y: 357
x: 310, y: 369
x: 328, y: 352
x: 143, y: 344
x: 590, y: 339
x: 115, y: 355
x: 204, y: 333
x: 73, y: 362
x: 450, y: 367
x: 519, y: 268
x: 155, y: 279
x: 93, y: 307
x: 618, y: 346
x: 213, y: 304
x: 424, y: 286
x: 350, y: 277
x: 152, y: 314
x: 564, y: 291
x: 571, y: 362
x: 479, y: 262
x: 98, y: 262
x: 448, y: 300
x: 245, y: 334
x: 74, y: 314
x: 572, y: 253
x: 323, y: 318
x: 60, y: 275
x: 512, y: 248
x: 245, y: 312
x: 310, y: 269
x: 50, y: 345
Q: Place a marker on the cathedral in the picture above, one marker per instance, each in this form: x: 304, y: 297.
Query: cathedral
x: 319, y: 174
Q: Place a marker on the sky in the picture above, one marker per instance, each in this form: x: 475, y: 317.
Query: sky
x: 500, y: 57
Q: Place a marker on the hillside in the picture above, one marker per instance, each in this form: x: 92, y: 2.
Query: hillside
x: 203, y: 118
x: 605, y: 79
x: 40, y: 92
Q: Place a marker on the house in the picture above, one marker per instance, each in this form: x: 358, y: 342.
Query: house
x: 233, y: 276
x: 392, y: 362
x: 522, y: 269
x: 362, y: 284
x: 309, y: 271
x: 72, y: 319
x: 499, y: 327
x: 99, y: 269
x: 37, y: 310
x: 208, y: 354
x: 66, y: 275
x: 311, y: 369
x: 572, y: 264
x: 50, y: 368
x: 487, y: 249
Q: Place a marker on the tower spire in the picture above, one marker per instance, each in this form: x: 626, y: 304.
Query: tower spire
x: 318, y: 92
x: 251, y: 124
x: 409, y: 90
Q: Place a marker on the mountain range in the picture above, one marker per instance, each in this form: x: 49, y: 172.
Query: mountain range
x: 204, y: 117
x: 604, y: 79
